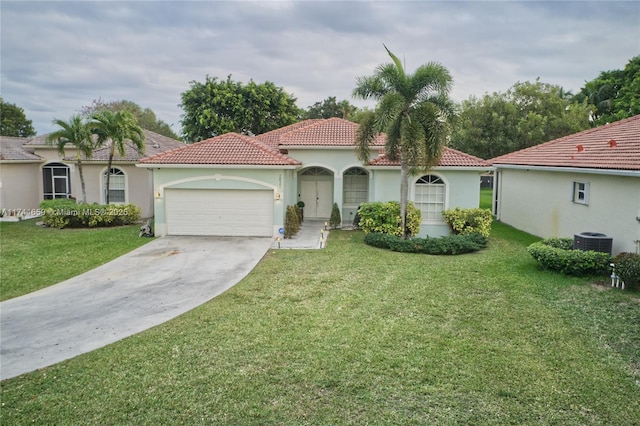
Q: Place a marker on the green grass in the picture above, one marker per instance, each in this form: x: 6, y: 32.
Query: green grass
x: 486, y: 198
x: 356, y: 335
x: 33, y: 257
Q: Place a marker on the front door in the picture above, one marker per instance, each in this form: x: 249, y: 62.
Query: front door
x: 316, y: 195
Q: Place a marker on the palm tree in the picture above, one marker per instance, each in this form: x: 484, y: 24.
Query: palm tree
x: 74, y: 132
x: 414, y: 111
x: 115, y: 128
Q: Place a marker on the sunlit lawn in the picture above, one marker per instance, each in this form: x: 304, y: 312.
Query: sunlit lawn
x: 32, y: 257
x: 356, y: 335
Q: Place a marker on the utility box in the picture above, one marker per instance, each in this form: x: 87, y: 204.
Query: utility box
x: 592, y: 241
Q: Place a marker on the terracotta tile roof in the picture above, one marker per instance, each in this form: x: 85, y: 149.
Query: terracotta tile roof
x: 612, y: 146
x: 227, y: 149
x: 154, y: 144
x: 15, y: 149
x: 272, y: 138
x: 450, y: 158
x: 328, y: 132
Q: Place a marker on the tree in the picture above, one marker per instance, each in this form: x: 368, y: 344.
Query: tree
x: 330, y: 108
x: 146, y: 117
x: 13, y: 121
x: 114, y: 129
x: 526, y: 115
x: 414, y: 110
x: 75, y: 132
x: 216, y: 107
x: 614, y: 94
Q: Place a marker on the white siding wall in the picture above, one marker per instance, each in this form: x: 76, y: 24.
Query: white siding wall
x: 540, y: 202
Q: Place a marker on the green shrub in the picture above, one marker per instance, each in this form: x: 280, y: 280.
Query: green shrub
x: 336, y: 219
x: 452, y: 244
x: 291, y: 221
x: 68, y: 214
x: 553, y: 254
x: 467, y: 221
x: 384, y: 217
x: 628, y: 269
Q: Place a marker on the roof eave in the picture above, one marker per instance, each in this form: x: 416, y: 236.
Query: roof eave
x: 585, y: 170
x: 37, y: 161
x: 215, y: 166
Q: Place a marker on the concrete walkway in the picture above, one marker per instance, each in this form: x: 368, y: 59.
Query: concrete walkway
x: 312, y: 235
x: 146, y: 287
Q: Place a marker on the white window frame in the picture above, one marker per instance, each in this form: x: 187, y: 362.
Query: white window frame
x: 580, y: 192
x: 348, y: 179
x: 66, y: 178
x: 103, y: 180
x: 443, y: 185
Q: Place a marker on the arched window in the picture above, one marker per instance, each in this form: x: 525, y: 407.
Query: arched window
x: 355, y: 186
x: 117, y: 186
x: 316, y: 171
x: 430, y: 197
x: 56, y: 182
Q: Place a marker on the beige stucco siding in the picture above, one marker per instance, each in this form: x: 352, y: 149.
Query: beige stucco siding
x: 17, y: 186
x: 540, y: 202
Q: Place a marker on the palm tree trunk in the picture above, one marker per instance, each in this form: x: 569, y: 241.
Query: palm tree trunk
x: 84, y: 189
x: 111, y: 153
x: 404, y: 195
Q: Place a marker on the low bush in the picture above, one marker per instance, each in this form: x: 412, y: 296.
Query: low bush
x: 628, y: 269
x: 292, y: 221
x: 452, y: 244
x: 467, y: 221
x: 336, y: 219
x: 65, y: 213
x: 384, y: 218
x: 557, y: 254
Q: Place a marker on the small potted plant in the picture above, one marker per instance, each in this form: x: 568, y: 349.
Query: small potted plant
x: 300, y: 205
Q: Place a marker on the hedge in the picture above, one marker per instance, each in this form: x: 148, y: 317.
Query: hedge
x: 384, y: 217
x: 467, y: 221
x: 66, y: 213
x: 557, y: 254
x: 628, y: 269
x: 452, y: 244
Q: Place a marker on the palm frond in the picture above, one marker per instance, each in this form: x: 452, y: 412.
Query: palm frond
x: 366, y: 133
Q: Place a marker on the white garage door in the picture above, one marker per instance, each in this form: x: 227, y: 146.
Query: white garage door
x: 219, y: 212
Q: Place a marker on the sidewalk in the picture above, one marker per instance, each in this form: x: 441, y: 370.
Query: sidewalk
x: 312, y: 235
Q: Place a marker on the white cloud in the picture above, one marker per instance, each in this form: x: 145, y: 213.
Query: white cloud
x: 59, y: 56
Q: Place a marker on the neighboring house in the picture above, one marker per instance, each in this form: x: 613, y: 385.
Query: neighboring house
x: 585, y: 182
x: 31, y: 170
x: 234, y: 184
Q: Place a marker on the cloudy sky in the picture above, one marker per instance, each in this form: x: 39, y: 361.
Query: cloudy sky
x: 57, y: 56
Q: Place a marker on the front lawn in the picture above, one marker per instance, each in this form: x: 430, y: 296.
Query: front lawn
x: 352, y: 334
x: 33, y: 257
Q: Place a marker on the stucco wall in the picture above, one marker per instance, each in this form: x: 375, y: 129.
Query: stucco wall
x: 540, y: 202
x: 18, y: 184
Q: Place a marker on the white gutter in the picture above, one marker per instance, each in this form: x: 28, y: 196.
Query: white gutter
x: 215, y: 166
x: 442, y: 168
x: 610, y: 172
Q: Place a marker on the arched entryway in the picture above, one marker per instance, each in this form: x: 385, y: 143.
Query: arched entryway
x: 316, y: 191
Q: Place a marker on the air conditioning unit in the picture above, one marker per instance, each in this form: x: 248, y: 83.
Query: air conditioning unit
x: 592, y: 241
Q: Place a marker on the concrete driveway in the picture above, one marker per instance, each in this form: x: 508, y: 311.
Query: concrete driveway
x: 148, y: 286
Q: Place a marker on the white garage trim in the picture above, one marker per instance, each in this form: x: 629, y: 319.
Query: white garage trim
x: 219, y: 212
x: 216, y: 177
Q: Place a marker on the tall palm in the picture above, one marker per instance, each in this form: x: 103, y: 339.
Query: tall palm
x: 74, y: 132
x: 115, y: 128
x: 414, y: 110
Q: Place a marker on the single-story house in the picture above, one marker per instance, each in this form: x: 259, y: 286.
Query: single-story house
x: 585, y: 182
x: 235, y: 184
x: 31, y: 170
